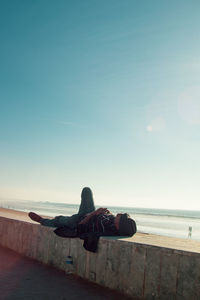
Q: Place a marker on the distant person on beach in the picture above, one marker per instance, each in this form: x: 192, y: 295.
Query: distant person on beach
x: 89, y: 222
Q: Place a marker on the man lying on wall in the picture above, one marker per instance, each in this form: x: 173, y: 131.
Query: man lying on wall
x: 89, y: 224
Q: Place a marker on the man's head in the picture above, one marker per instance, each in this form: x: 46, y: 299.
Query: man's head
x: 125, y: 225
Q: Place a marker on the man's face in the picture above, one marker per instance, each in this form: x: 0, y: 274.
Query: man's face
x: 117, y: 220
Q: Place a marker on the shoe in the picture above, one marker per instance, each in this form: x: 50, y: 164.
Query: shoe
x: 35, y: 217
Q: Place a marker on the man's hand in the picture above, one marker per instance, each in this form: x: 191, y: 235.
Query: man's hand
x: 100, y: 211
x: 97, y: 212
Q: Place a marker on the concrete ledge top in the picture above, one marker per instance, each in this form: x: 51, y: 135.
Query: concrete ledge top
x: 140, y: 238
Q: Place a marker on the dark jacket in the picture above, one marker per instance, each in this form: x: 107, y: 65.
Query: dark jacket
x: 91, y: 232
x: 84, y: 232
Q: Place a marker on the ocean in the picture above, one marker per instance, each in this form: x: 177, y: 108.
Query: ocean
x: 167, y: 222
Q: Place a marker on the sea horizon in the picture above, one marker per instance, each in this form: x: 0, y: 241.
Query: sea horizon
x: 168, y: 222
x: 139, y: 210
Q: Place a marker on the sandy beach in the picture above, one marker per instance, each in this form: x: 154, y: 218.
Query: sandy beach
x: 16, y: 215
x: 142, y: 238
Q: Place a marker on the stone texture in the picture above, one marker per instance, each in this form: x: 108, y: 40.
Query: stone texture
x: 65, y: 250
x: 125, y: 264
x: 74, y: 254
x: 14, y: 235
x: 31, y: 242
x: 137, y: 267
x: 42, y: 244
x: 54, y: 250
x: 101, y: 261
x: 23, y: 238
x: 152, y: 273
x: 81, y: 259
x: 188, y: 278
x: 112, y: 264
x: 90, y: 272
x: 4, y: 232
x: 169, y: 269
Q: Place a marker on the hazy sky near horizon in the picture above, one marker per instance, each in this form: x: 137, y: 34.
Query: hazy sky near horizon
x: 103, y: 94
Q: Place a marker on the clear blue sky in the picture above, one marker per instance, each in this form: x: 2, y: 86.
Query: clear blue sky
x: 103, y: 94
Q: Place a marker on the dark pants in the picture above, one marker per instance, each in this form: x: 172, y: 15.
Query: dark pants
x: 86, y: 206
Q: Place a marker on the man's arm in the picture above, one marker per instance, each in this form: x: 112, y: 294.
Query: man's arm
x: 97, y: 212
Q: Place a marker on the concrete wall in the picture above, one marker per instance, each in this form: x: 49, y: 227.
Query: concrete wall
x: 138, y: 270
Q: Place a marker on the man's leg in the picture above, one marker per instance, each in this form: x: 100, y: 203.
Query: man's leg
x: 58, y: 221
x: 86, y: 206
x: 87, y: 202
